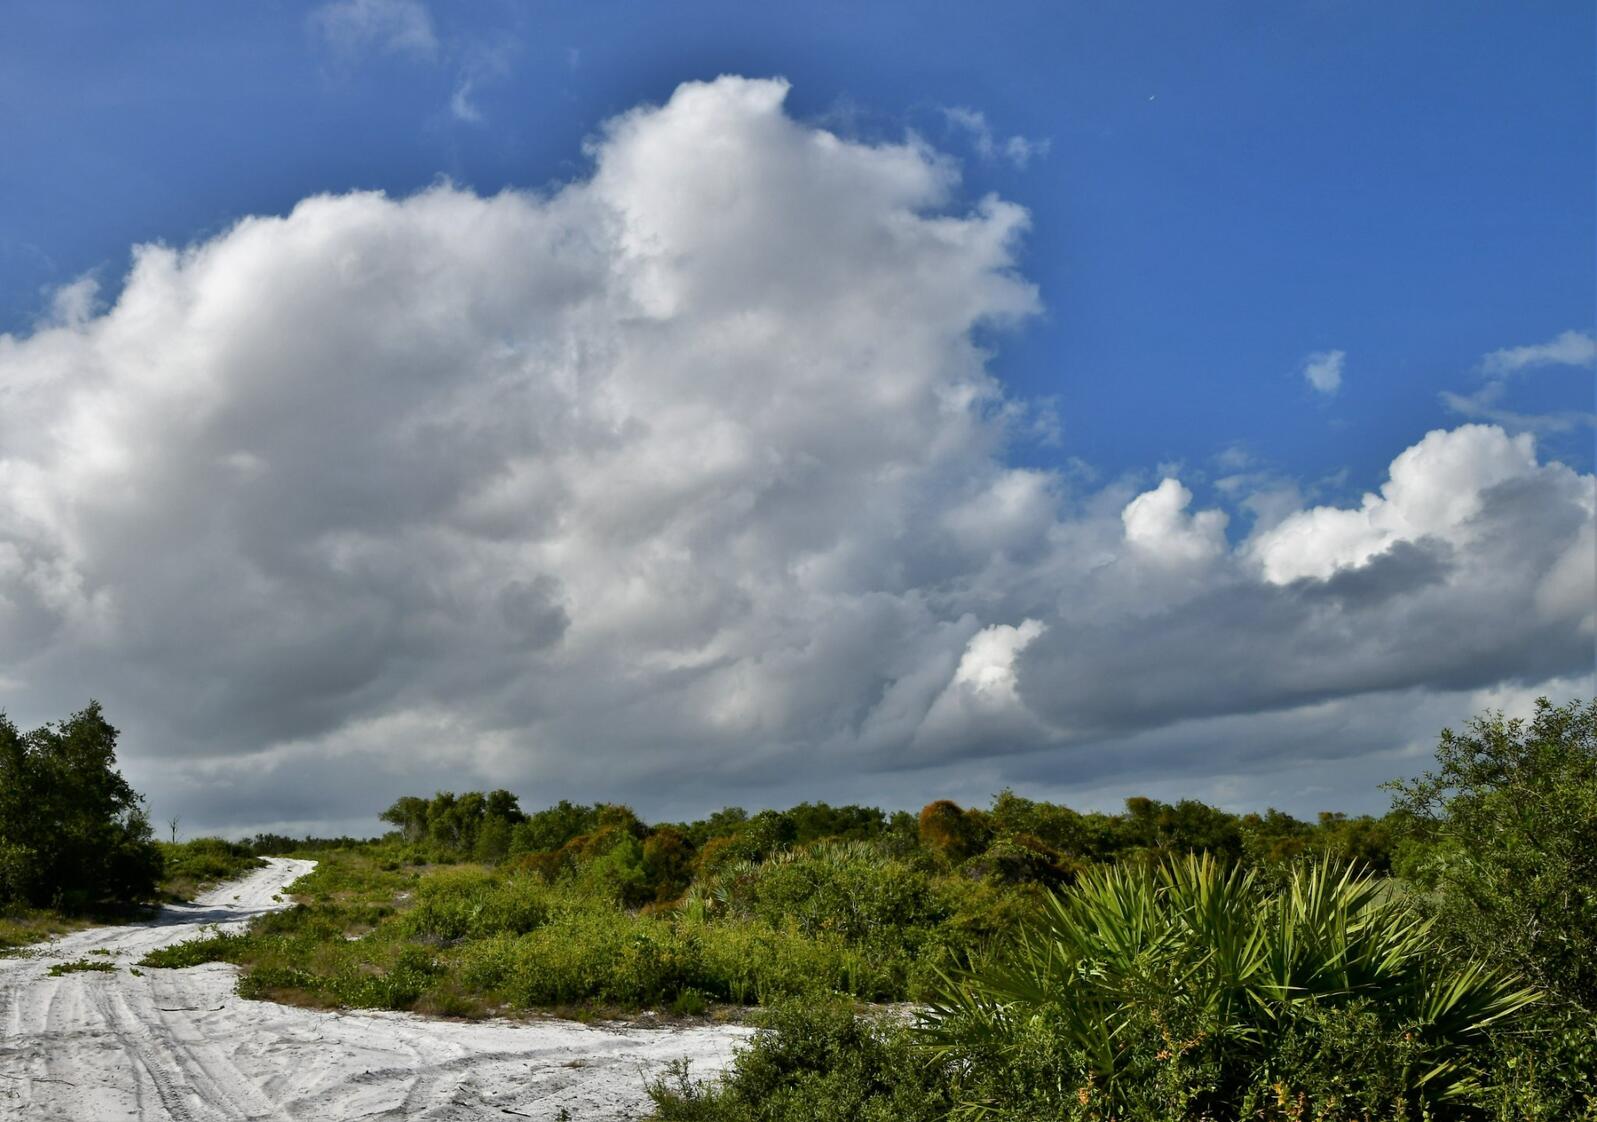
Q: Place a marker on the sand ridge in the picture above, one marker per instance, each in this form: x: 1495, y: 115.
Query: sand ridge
x: 181, y: 1045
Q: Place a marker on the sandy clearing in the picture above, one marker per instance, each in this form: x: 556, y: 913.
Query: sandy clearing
x: 180, y: 1045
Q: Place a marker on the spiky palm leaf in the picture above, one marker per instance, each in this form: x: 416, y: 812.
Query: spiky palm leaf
x: 1241, y: 964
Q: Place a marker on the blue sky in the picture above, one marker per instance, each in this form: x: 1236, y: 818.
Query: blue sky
x: 1217, y: 199
x: 1225, y: 190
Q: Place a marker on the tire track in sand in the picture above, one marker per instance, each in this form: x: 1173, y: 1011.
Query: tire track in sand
x: 181, y: 1046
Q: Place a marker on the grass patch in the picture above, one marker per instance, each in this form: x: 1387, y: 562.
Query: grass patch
x: 220, y: 947
x: 192, y: 867
x: 22, y: 927
x: 373, y: 931
x: 81, y: 966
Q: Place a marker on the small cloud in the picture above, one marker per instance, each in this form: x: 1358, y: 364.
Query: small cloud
x: 1234, y: 457
x: 480, y: 66
x: 573, y: 57
x: 1485, y: 404
x: 1323, y: 371
x: 1018, y: 150
x: 401, y: 27
x: 461, y: 106
x: 1572, y: 348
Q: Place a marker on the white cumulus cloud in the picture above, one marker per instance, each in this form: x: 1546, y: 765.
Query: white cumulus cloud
x: 1157, y: 524
x: 1435, y: 489
x: 681, y: 482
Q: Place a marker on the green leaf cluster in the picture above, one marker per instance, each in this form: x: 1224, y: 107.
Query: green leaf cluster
x: 1193, y: 989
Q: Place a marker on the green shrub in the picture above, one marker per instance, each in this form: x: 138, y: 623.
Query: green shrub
x: 471, y: 903
x: 1190, y: 991
x: 841, y: 887
x: 220, y: 947
x: 81, y: 966
x: 191, y: 866
x: 668, y: 863
x: 1507, y: 843
x: 615, y: 871
x: 813, y: 1063
x: 1546, y: 1070
x: 756, y: 963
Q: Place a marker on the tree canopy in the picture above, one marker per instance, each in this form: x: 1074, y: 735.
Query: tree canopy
x: 73, y: 832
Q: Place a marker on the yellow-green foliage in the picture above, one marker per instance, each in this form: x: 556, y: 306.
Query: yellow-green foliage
x: 471, y: 902
x: 371, y: 932
x: 1085, y: 968
x: 20, y: 926
x: 954, y: 835
x: 191, y: 867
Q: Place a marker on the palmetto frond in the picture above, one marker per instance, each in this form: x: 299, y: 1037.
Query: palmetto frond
x: 1241, y: 964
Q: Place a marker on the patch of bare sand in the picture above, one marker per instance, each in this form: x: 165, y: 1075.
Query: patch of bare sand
x: 181, y: 1045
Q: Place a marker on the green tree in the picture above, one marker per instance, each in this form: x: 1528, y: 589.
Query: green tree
x: 951, y: 833
x: 410, y: 815
x: 549, y: 829
x: 668, y: 862
x: 73, y: 832
x: 1507, y: 833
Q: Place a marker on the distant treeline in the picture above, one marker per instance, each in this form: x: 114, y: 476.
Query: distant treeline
x: 1014, y: 840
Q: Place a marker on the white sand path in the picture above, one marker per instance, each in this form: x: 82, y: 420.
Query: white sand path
x: 181, y: 1045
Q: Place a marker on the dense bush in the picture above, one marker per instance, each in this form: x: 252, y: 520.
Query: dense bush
x: 471, y: 903
x: 1192, y: 990
x: 73, y: 833
x: 473, y: 825
x: 1508, y: 831
x: 847, y: 888
x: 1501, y: 841
x: 814, y: 1062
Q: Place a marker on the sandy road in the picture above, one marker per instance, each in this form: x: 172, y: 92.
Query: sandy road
x: 180, y: 1045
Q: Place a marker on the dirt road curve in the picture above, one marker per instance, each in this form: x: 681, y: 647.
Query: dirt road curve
x: 180, y: 1045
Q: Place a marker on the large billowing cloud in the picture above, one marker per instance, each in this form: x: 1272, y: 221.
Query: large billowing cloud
x: 685, y: 481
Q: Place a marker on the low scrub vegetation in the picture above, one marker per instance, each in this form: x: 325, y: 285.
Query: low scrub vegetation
x: 1190, y: 990
x: 82, y: 966
x: 191, y: 867
x: 812, y: 1061
x: 1204, y: 990
x: 21, y: 926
